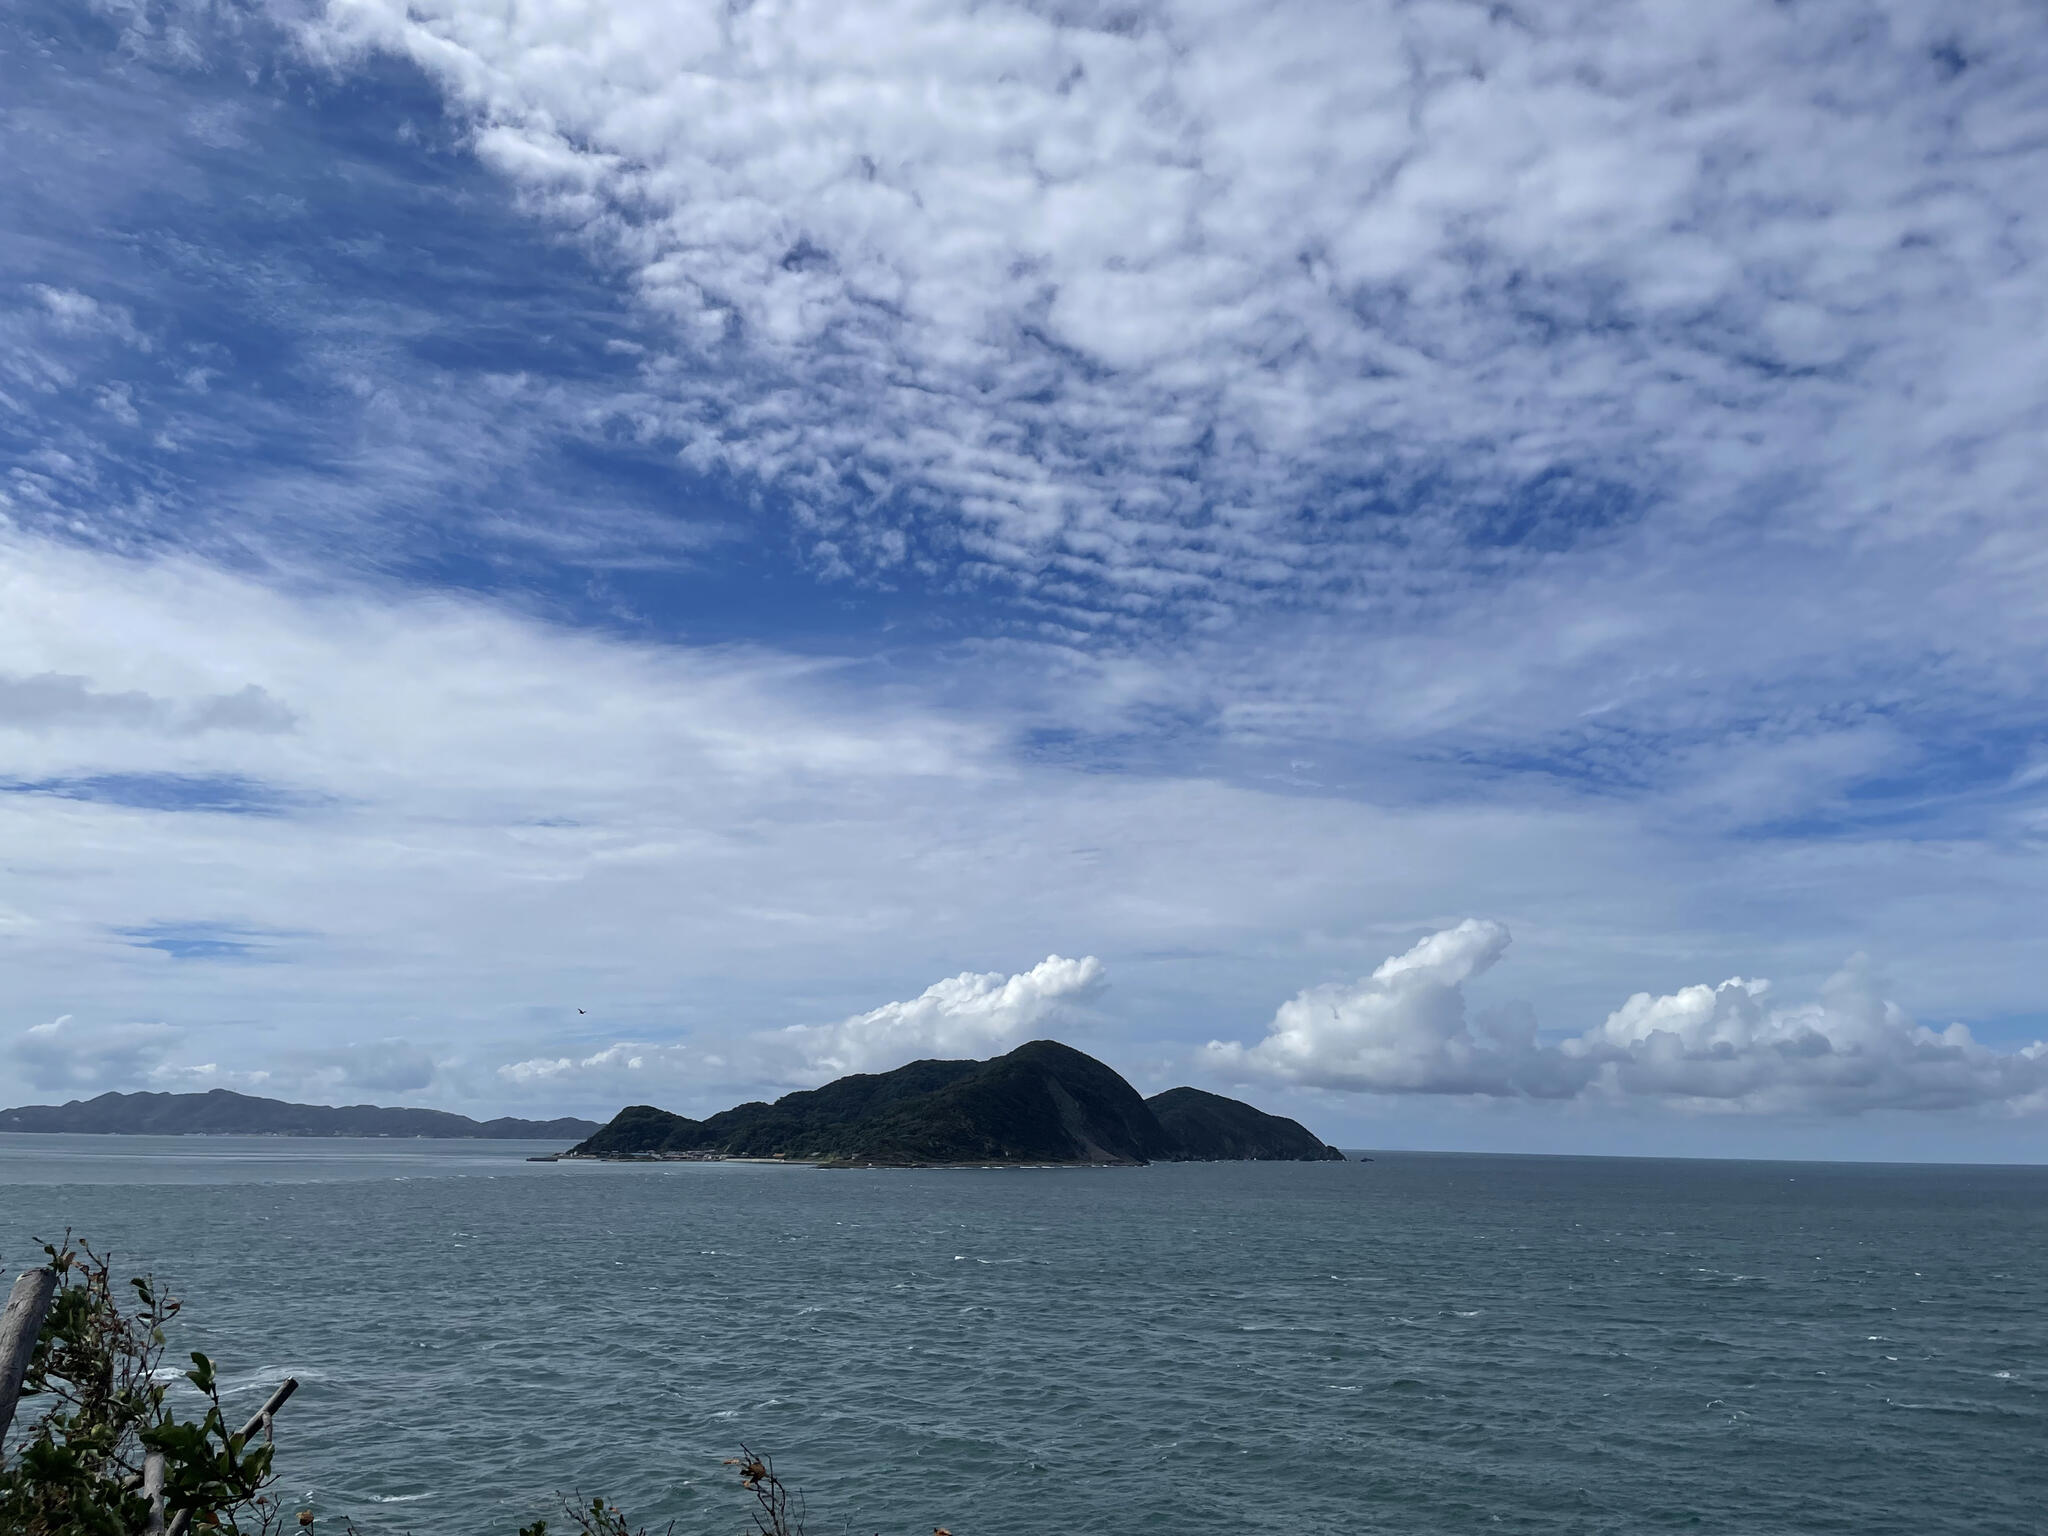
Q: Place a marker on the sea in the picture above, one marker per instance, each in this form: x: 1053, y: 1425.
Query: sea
x: 1421, y: 1343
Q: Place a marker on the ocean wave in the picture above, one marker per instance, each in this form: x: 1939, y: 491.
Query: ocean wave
x: 270, y: 1377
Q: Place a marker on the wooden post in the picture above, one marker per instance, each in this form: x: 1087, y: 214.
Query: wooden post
x: 153, y: 1490
x: 27, y: 1305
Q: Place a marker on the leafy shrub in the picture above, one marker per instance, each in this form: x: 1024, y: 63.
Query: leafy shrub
x: 78, y: 1468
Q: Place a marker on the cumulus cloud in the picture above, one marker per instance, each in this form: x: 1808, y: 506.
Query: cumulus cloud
x: 971, y: 1014
x: 1405, y: 1029
x: 68, y: 1057
x: 1090, y: 292
x: 1851, y: 1050
x: 965, y: 1015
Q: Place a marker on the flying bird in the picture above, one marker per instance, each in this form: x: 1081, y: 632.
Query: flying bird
x: 579, y: 1010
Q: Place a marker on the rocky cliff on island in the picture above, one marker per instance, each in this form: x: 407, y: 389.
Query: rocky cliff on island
x: 1042, y: 1103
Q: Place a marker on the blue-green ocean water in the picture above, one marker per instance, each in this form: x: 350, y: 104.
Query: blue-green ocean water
x: 1420, y: 1344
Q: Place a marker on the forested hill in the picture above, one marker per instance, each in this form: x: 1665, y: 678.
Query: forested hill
x: 1207, y: 1127
x: 224, y: 1113
x: 1042, y: 1103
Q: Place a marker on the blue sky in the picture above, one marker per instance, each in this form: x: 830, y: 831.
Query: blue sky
x: 1403, y: 544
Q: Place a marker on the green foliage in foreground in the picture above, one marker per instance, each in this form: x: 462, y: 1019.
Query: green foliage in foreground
x: 78, y: 1468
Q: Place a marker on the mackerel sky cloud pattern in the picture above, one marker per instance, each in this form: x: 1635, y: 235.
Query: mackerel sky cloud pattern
x: 1133, y: 305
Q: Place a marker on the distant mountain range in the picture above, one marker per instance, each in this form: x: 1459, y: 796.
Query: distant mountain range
x: 222, y: 1113
x: 1042, y: 1103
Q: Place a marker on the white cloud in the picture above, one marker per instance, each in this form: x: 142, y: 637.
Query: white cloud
x: 79, y: 314
x: 966, y: 1015
x: 1084, y: 293
x: 1852, y: 1050
x: 1405, y: 1029
x: 970, y: 1015
x: 621, y: 1057
x: 204, y: 1077
x: 1402, y: 1029
x: 64, y: 1056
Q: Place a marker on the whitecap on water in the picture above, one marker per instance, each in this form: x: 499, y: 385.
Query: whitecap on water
x: 269, y: 1378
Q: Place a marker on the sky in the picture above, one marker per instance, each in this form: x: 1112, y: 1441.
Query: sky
x: 1476, y: 574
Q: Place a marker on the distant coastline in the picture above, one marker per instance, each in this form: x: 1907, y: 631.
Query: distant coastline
x: 845, y: 1165
x: 222, y: 1112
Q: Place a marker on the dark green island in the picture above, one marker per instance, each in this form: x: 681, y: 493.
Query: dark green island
x: 1043, y: 1103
